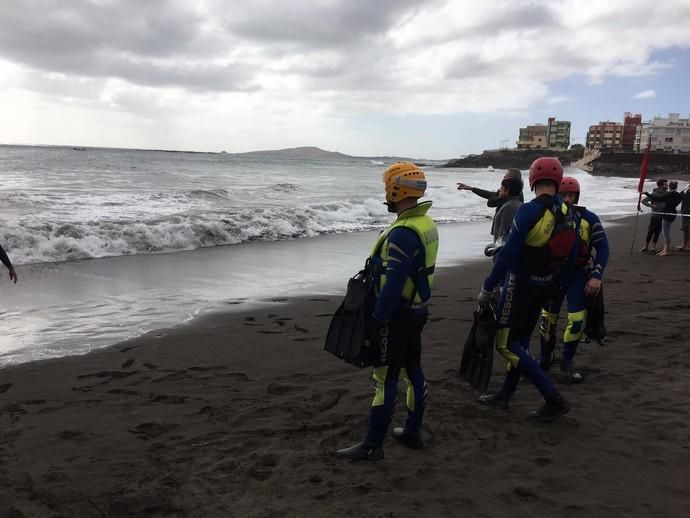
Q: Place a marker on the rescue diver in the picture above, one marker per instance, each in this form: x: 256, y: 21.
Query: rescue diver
x: 582, y: 281
x: 405, y: 255
x: 540, y: 246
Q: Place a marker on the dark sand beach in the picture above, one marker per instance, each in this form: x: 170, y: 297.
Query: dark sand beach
x: 238, y: 414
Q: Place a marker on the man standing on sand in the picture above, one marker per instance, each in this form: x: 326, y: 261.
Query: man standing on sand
x: 685, y: 219
x: 654, y: 228
x: 405, y: 254
x: 667, y: 201
x: 540, y: 247
x: 6, y: 261
x: 510, y: 195
x: 496, y: 199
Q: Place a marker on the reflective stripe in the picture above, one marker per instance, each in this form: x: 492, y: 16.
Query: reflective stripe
x: 415, y: 219
x: 380, y: 374
x: 576, y: 324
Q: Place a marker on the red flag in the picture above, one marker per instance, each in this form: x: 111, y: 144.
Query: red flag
x: 643, y: 173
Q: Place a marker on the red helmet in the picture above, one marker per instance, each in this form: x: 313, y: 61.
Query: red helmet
x: 546, y: 168
x: 569, y: 184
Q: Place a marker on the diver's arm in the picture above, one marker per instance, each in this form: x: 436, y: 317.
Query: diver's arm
x: 600, y: 243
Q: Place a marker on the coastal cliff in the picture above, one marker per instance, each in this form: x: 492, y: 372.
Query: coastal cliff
x: 608, y: 164
x: 628, y: 164
x: 505, y: 158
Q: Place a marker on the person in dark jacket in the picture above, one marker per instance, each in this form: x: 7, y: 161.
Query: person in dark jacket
x: 493, y: 198
x: 511, y: 195
x: 685, y: 219
x: 669, y: 201
x: 654, y: 229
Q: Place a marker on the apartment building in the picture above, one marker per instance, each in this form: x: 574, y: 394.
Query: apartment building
x: 668, y: 134
x: 533, y: 137
x: 558, y: 134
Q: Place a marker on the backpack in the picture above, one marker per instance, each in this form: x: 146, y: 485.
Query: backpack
x: 548, y: 260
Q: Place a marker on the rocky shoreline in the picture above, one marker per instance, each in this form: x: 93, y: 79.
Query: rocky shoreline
x: 609, y: 164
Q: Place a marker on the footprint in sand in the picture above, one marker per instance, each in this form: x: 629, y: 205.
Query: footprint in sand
x: 127, y: 363
x: 206, y: 369
x: 148, y: 431
x: 277, y: 389
x: 169, y: 399
x: 72, y: 435
x: 5, y: 387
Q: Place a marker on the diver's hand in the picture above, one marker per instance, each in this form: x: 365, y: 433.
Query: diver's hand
x: 484, y: 297
x: 13, y: 275
x: 592, y: 287
x: 464, y: 187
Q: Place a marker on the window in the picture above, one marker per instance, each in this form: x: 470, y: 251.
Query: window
x: 668, y: 139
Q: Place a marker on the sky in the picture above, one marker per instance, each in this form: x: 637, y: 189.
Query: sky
x: 427, y: 79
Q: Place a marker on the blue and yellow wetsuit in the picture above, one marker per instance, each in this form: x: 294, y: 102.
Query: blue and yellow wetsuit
x: 406, y: 253
x: 592, y: 237
x: 530, y: 274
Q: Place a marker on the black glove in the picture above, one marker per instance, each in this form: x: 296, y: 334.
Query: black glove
x: 484, y: 297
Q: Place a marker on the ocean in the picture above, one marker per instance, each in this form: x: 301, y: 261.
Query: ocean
x: 111, y: 243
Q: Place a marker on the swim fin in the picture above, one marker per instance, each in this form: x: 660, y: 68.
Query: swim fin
x: 478, y: 354
x: 595, y: 329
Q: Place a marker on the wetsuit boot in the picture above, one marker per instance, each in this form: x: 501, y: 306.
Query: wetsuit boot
x: 567, y: 366
x: 554, y: 406
x: 379, y: 419
x: 372, y: 446
x: 501, y: 399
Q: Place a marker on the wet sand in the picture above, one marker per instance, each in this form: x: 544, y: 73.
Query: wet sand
x: 238, y: 414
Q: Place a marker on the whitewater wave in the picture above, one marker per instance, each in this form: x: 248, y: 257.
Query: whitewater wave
x: 69, y: 241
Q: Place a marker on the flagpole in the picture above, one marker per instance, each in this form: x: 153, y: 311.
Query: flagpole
x: 644, y: 168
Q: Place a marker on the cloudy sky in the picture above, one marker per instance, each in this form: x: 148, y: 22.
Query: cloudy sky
x: 432, y: 79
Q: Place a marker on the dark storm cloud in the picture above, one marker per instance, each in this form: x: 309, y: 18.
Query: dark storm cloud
x: 152, y: 42
x: 319, y: 23
x: 184, y: 44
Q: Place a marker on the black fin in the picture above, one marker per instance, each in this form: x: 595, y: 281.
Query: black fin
x: 478, y: 353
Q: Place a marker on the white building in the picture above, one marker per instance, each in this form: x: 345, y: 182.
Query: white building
x: 669, y: 134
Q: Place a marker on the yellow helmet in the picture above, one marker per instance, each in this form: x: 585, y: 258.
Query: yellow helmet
x: 403, y: 180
